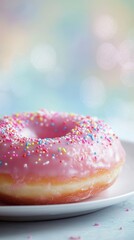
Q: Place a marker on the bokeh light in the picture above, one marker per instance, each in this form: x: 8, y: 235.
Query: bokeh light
x: 126, y: 53
x: 55, y: 78
x: 93, y: 92
x: 105, y: 27
x: 127, y: 78
x: 107, y: 56
x: 43, y: 57
x: 74, y: 56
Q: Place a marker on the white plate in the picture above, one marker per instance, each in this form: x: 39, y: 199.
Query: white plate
x: 120, y: 191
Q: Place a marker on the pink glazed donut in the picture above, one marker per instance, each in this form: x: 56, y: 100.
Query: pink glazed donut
x: 52, y: 158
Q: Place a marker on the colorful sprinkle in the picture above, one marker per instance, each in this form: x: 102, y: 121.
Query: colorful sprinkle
x: 40, y: 141
x: 96, y: 224
x: 76, y: 136
x: 91, y: 136
x: 75, y: 238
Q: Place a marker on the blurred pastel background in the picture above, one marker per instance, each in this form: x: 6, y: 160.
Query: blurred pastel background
x: 68, y: 55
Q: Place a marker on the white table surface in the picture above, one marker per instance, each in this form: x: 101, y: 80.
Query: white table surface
x: 112, y: 223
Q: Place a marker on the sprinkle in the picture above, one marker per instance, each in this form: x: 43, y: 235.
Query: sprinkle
x: 46, y: 163
x: 28, y: 153
x: 76, y: 131
x: 96, y: 224
x: 24, y: 155
x: 27, y: 144
x: 40, y: 141
x: 52, y: 124
x: 91, y: 136
x: 53, y: 156
x: 59, y: 149
x: 41, y: 119
x: 75, y: 238
x: 64, y: 150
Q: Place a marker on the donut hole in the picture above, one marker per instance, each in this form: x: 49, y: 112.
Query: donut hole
x: 48, y: 129
x: 27, y: 132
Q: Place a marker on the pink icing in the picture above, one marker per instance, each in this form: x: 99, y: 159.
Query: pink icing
x: 49, y: 144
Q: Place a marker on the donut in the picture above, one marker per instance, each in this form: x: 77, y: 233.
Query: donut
x: 51, y: 157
